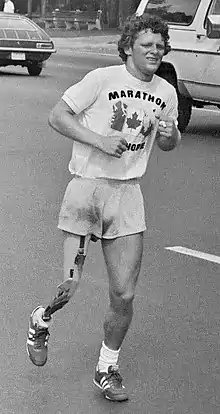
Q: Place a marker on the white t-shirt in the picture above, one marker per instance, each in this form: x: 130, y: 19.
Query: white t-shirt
x: 9, y: 7
x: 111, y: 101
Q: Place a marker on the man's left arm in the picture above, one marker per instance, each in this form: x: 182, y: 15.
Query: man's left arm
x: 168, y: 134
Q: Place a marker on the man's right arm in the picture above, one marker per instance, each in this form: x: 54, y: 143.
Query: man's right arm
x: 62, y: 118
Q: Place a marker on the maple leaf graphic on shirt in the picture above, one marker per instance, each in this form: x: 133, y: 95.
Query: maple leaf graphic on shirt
x: 146, y: 131
x: 133, y: 122
x: 119, y: 116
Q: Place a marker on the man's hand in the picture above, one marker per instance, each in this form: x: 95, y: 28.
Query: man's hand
x: 168, y: 135
x: 114, y: 145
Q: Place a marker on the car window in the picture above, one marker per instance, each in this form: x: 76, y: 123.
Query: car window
x: 13, y: 28
x: 15, y: 24
x: 215, y: 8
x: 174, y: 11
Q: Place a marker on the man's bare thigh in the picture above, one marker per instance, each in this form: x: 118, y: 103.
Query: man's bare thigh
x: 123, y: 257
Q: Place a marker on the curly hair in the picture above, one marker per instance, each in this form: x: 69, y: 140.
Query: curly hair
x: 134, y: 25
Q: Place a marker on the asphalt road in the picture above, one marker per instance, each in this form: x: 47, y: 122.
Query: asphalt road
x: 170, y: 359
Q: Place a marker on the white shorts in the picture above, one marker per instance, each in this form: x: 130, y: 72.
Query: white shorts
x: 102, y: 207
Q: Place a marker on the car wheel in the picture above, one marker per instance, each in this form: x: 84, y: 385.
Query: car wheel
x: 34, y: 69
x: 185, y: 111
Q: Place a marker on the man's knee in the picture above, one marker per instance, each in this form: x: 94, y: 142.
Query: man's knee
x: 76, y: 271
x: 121, y: 299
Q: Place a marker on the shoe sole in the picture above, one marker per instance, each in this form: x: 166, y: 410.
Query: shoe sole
x: 103, y: 391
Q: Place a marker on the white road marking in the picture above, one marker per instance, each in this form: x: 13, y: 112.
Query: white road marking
x: 195, y: 253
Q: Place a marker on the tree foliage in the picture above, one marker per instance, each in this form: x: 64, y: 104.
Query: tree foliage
x: 116, y: 11
x: 126, y: 8
x: 110, y: 9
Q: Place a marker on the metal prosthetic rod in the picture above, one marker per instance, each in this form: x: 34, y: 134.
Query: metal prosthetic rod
x: 67, y: 288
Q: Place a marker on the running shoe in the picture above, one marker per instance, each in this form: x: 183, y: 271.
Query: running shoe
x: 111, y: 384
x: 38, y: 335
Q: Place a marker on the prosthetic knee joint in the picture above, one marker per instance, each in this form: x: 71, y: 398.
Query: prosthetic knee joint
x: 67, y: 288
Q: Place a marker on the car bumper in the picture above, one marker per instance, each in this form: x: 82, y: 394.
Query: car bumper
x: 22, y: 50
x: 6, y: 57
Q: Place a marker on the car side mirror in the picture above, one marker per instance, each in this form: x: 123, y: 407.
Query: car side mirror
x: 213, y: 26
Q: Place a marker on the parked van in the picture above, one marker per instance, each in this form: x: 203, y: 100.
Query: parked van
x: 193, y: 65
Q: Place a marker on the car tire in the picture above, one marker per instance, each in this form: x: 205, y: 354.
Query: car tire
x: 185, y: 111
x: 34, y: 69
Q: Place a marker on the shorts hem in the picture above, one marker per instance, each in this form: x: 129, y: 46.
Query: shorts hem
x: 129, y: 233
x: 77, y: 232
x: 99, y: 236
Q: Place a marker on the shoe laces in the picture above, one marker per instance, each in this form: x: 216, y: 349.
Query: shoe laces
x: 41, y: 337
x: 114, y: 378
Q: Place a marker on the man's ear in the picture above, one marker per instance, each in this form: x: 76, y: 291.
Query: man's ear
x: 128, y: 51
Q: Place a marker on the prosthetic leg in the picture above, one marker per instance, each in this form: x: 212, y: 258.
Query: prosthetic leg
x: 67, y: 288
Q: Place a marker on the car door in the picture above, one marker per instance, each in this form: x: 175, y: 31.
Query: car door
x: 207, y: 79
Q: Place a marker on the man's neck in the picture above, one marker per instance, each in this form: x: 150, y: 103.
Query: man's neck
x: 144, y: 77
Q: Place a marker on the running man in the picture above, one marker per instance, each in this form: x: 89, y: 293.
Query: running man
x: 110, y: 116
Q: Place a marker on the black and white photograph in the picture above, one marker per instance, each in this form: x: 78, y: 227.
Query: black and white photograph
x: 110, y: 206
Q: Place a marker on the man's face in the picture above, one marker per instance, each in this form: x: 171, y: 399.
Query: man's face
x: 147, y: 52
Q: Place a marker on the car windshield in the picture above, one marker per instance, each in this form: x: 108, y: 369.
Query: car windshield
x: 174, y: 11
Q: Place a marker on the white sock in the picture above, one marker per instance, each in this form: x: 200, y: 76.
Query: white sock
x: 38, y: 319
x: 107, y: 357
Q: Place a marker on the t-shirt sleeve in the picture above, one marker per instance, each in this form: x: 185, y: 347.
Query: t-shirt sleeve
x: 84, y: 93
x: 171, y: 109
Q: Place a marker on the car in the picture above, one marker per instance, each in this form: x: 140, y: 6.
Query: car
x: 192, y: 66
x: 23, y: 43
